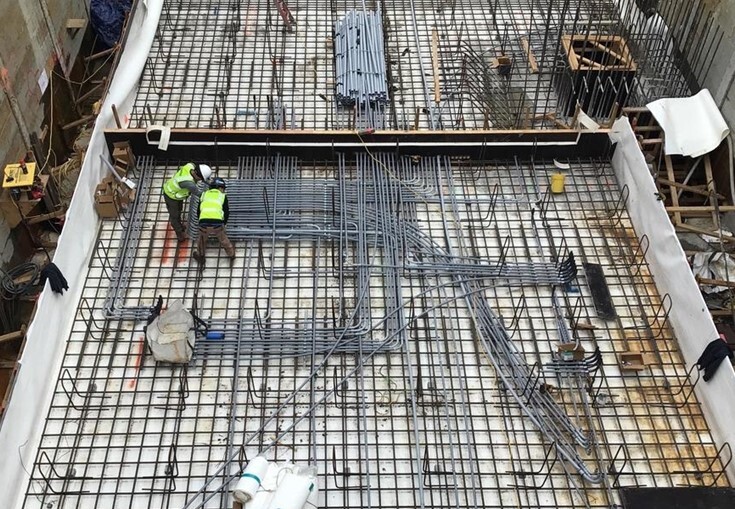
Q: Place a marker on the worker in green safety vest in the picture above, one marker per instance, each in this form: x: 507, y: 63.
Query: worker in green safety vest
x: 213, y: 215
x: 178, y: 188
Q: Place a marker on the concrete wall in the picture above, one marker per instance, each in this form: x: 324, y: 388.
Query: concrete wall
x: 722, y: 74
x: 29, y: 43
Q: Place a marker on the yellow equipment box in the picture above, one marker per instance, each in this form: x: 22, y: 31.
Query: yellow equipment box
x: 13, y: 175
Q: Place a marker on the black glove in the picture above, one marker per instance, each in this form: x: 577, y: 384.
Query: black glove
x: 712, y: 357
x: 55, y: 278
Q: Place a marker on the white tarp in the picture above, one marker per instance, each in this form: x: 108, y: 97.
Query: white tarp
x: 714, y: 265
x: 693, y: 125
x: 667, y: 262
x: 47, y: 335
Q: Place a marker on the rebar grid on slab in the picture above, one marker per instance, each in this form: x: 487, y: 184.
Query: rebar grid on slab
x: 430, y: 422
x: 231, y: 64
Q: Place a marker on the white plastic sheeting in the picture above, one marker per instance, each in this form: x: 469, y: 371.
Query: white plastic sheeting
x: 714, y: 265
x: 23, y: 420
x: 689, y: 316
x: 693, y: 125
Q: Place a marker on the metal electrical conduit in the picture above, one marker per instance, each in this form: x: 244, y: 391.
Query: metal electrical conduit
x: 512, y: 368
x: 545, y: 413
x: 366, y: 357
x: 283, y: 341
x: 359, y: 59
x: 304, y: 216
x: 538, y: 273
x: 567, y: 452
x: 133, y: 223
x: 538, y: 406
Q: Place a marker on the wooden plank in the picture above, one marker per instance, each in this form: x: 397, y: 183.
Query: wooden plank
x: 652, y: 141
x: 566, y: 41
x: 13, y: 336
x: 77, y: 123
x: 702, y: 231
x: 674, y: 196
x: 684, y: 187
x: 505, y: 133
x: 708, y: 209
x: 714, y: 282
x: 635, y: 109
x: 532, y: 63
x: 435, y: 64
x: 45, y: 217
x: 648, y: 129
x: 712, y: 190
x: 591, y: 63
x: 117, y: 117
x: 75, y: 23
x: 606, y: 49
x: 101, y: 54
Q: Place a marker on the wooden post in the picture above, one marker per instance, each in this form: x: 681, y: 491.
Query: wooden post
x: 712, y: 191
x: 117, y: 117
x: 573, y: 123
x: 435, y: 64
x: 674, y: 194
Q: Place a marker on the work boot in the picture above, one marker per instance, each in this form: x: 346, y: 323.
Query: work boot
x: 232, y: 260
x: 198, y: 257
x: 182, y: 237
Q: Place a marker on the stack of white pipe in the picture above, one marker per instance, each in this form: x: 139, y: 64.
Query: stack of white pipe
x: 294, y: 486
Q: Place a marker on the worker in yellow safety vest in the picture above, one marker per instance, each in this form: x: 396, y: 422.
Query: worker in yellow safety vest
x: 213, y: 215
x: 178, y: 188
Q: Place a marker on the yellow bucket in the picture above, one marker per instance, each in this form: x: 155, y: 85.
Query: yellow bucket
x: 557, y: 183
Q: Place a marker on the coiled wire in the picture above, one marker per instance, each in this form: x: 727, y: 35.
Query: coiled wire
x: 10, y: 288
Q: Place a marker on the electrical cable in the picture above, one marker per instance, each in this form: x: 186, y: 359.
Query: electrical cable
x: 10, y: 288
x: 390, y: 173
x: 50, y: 125
x: 88, y: 78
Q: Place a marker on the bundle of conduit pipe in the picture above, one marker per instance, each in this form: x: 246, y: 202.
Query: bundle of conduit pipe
x: 359, y: 59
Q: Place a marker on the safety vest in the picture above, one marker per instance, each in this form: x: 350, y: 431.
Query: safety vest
x: 211, y: 205
x: 172, y: 188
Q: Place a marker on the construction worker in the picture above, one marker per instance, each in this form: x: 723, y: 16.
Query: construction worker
x: 213, y: 215
x: 178, y: 188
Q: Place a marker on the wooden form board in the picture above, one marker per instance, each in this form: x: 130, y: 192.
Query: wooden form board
x: 435, y: 64
x: 615, y: 47
x: 223, y: 144
x: 532, y: 62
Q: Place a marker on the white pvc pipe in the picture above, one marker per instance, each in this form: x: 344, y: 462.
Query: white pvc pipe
x: 250, y: 480
x: 292, y: 492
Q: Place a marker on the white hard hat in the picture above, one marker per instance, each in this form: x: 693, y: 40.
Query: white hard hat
x: 205, y: 171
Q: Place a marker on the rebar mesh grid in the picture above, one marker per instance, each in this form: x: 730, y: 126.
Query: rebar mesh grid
x: 451, y: 64
x: 426, y: 423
